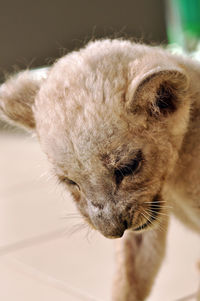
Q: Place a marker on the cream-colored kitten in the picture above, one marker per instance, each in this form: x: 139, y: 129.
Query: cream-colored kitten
x: 120, y: 123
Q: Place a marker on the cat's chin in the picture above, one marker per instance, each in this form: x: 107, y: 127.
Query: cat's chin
x: 113, y: 236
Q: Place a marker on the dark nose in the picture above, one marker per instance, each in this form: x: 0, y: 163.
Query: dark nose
x: 111, y: 230
x: 110, y: 220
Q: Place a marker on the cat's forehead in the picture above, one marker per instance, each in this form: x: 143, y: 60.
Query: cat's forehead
x: 85, y: 83
x: 89, y: 139
x: 98, y: 61
x: 91, y: 149
x: 80, y: 108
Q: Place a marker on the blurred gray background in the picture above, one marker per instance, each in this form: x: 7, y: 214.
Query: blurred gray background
x: 34, y: 33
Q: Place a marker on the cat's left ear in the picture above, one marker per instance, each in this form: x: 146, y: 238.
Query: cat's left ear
x: 160, y: 91
x: 17, y: 97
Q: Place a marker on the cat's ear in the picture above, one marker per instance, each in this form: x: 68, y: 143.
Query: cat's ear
x: 17, y: 97
x: 160, y: 91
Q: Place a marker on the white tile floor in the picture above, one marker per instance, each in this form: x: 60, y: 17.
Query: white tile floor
x: 38, y: 261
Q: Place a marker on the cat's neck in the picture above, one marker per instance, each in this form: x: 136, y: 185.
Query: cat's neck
x: 184, y: 180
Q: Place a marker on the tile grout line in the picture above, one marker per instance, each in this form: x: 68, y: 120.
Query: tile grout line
x: 51, y: 281
x: 31, y: 241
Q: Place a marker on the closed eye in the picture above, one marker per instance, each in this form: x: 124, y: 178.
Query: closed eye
x: 70, y: 182
x: 128, y: 169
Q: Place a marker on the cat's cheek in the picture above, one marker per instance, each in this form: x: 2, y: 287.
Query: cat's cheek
x: 76, y: 195
x: 83, y: 209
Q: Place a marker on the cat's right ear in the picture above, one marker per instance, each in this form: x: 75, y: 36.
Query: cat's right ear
x: 17, y: 97
x: 160, y: 91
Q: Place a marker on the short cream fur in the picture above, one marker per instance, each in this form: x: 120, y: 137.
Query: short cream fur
x: 120, y: 122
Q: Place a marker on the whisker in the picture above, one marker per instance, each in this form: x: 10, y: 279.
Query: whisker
x: 89, y: 233
x: 159, y: 203
x: 140, y: 221
x: 157, y: 219
x: 147, y: 218
x: 161, y: 206
x: 156, y: 203
x: 160, y: 226
x: 150, y: 218
x: 75, y: 228
x: 153, y: 202
x: 158, y: 213
x: 70, y: 215
x: 65, y: 215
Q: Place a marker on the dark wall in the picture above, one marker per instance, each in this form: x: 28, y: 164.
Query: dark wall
x: 33, y: 33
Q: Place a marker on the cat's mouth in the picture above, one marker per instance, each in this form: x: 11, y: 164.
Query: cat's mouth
x: 146, y: 216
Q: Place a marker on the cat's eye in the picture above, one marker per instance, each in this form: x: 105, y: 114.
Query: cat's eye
x: 71, y: 182
x: 129, y: 169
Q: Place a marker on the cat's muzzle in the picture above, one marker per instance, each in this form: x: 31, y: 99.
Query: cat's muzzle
x: 110, y: 223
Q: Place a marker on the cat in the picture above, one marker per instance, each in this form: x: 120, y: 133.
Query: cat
x: 120, y: 123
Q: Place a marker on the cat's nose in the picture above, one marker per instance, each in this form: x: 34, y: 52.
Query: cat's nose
x: 111, y: 228
x: 111, y: 222
x: 113, y: 232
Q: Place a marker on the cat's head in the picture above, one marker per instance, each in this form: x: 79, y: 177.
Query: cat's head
x: 111, y: 119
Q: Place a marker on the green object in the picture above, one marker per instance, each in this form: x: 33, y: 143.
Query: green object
x: 183, y: 23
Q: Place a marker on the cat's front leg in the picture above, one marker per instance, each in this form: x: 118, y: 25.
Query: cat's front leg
x: 138, y: 260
